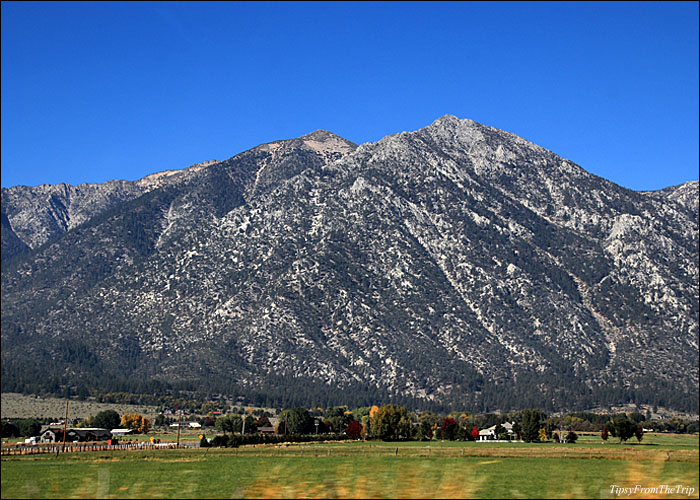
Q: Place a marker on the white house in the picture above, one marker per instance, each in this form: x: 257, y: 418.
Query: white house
x: 490, y: 433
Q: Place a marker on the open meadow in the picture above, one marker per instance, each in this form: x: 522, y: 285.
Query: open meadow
x: 16, y: 405
x: 662, y: 466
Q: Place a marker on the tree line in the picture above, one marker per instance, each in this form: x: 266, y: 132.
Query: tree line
x: 389, y: 422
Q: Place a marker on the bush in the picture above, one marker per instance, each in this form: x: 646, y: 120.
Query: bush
x: 220, y: 441
x: 236, y: 440
x: 571, y: 437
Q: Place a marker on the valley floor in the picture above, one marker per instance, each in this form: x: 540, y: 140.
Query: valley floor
x: 662, y: 466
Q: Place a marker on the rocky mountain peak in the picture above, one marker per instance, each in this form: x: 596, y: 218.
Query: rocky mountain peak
x: 320, y: 141
x: 321, y: 135
x: 326, y: 143
x: 448, y: 120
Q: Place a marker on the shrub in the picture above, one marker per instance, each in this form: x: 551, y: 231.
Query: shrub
x: 219, y: 441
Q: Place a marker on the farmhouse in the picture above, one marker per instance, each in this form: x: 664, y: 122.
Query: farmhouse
x: 55, y: 435
x: 490, y: 433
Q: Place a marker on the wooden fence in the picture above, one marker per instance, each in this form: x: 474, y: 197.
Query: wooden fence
x: 37, y: 449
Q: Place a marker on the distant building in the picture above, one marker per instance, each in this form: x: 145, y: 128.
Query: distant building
x: 121, y: 432
x: 190, y: 425
x: 490, y: 433
x: 55, y: 435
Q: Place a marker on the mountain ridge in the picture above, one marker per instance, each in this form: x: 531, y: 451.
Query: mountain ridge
x: 365, y: 267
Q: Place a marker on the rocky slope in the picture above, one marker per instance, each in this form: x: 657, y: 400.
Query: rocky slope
x: 42, y: 213
x: 457, y: 264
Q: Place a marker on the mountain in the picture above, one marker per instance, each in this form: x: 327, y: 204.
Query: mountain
x: 457, y: 265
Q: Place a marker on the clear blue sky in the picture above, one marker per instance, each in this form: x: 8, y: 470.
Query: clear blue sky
x: 98, y: 91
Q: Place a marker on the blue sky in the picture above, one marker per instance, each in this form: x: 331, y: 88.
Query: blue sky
x: 105, y: 90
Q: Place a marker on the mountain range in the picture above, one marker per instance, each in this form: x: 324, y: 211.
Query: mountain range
x: 454, y: 266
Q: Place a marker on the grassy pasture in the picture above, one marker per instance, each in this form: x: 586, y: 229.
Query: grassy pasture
x: 360, y: 470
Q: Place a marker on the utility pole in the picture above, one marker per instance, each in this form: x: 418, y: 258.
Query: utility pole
x: 65, y: 425
x: 179, y: 419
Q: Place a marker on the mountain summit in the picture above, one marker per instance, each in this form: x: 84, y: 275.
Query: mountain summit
x: 457, y: 265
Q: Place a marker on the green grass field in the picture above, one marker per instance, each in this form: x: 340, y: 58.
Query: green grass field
x: 364, y: 470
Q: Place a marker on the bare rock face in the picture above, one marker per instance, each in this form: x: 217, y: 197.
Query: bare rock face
x: 458, y: 265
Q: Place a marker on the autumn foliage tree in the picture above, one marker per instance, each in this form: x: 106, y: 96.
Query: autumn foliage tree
x: 604, y: 434
x: 475, y: 433
x: 354, y: 430
x: 136, y: 422
x: 448, y: 429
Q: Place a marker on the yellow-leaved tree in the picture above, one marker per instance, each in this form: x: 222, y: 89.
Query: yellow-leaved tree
x: 136, y: 422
